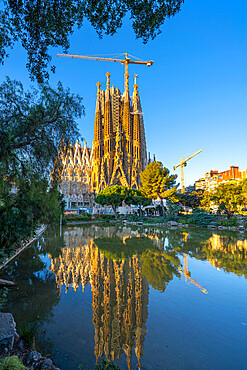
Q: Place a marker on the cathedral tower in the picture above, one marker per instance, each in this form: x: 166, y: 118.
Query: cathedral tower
x: 119, y: 146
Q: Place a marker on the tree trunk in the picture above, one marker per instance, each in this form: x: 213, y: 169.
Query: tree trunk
x: 140, y: 210
x: 163, y: 207
x: 115, y: 210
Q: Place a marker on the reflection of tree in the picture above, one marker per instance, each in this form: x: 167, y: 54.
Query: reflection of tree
x: 159, y: 268
x: 122, y: 248
x: 226, y: 252
x: 222, y: 249
x: 32, y: 301
x: 53, y: 242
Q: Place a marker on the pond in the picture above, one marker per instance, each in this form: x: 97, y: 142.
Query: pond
x: 141, y: 297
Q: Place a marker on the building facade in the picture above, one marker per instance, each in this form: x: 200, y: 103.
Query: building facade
x: 76, y: 164
x: 213, y: 178
x: 118, y: 154
x: 119, y: 146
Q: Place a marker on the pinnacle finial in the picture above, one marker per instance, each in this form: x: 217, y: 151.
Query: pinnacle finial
x: 135, y: 79
x: 108, y: 80
x: 98, y: 84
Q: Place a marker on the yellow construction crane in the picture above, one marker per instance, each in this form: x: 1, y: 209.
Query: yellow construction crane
x: 182, y: 164
x: 186, y: 273
x: 126, y: 61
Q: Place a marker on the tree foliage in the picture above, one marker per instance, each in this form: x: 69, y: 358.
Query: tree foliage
x: 192, y: 199
x: 136, y: 198
x: 158, y: 183
x: 32, y: 125
x: 41, y: 24
x: 230, y: 196
x: 112, y: 196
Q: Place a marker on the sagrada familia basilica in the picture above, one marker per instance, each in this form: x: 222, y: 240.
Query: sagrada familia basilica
x: 118, y: 153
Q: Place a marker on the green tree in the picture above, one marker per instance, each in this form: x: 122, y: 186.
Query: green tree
x: 135, y: 197
x: 192, y: 199
x: 35, y: 202
x: 32, y: 125
x: 40, y: 25
x: 230, y: 196
x: 158, y: 183
x: 112, y: 196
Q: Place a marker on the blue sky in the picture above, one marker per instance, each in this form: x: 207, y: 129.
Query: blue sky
x: 193, y: 97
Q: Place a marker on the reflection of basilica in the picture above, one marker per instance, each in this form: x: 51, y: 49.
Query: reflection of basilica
x: 119, y: 293
x: 120, y: 263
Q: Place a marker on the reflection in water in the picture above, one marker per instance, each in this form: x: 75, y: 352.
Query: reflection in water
x: 119, y: 264
x: 119, y: 291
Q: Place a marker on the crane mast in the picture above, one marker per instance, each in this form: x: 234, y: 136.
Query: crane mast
x: 182, y: 164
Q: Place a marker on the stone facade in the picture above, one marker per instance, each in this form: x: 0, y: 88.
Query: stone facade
x: 118, y: 154
x: 75, y: 184
x: 119, y: 146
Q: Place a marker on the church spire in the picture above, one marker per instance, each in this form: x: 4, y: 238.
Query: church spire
x: 108, y: 86
x: 98, y: 97
x: 97, y: 126
x: 126, y: 91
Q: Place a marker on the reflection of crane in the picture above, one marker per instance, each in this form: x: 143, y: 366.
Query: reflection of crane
x: 186, y: 274
x: 183, y: 163
x: 126, y: 61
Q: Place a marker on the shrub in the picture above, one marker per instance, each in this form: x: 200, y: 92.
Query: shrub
x: 11, y: 363
x: 200, y: 217
x: 230, y: 222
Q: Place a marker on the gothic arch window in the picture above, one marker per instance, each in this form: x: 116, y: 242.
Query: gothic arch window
x: 74, y: 187
x: 84, y: 187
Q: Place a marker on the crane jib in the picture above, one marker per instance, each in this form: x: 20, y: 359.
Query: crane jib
x: 122, y: 61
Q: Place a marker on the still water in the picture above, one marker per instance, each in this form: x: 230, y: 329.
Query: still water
x: 156, y: 298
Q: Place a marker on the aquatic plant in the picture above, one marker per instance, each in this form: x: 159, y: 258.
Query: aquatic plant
x: 107, y: 365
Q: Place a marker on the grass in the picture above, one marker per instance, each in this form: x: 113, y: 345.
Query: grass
x: 27, y: 333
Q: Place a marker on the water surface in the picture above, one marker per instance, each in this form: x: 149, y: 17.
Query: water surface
x: 156, y: 298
